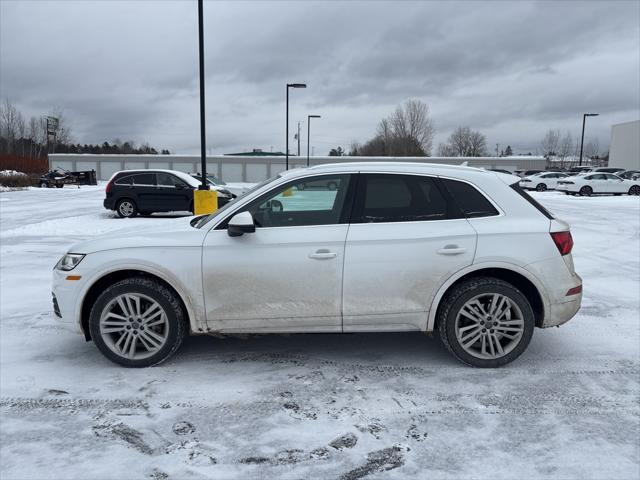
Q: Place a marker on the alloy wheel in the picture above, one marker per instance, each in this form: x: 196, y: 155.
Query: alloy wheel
x: 126, y: 208
x: 134, y: 326
x: 489, y: 326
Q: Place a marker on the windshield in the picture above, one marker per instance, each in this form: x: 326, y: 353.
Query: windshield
x: 215, y: 180
x: 207, y: 218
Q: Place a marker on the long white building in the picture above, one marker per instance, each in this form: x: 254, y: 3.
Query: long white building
x: 255, y: 169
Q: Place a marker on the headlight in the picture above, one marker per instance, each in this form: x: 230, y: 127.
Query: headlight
x: 69, y: 261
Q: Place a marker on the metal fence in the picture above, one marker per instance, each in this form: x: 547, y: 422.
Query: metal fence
x: 256, y: 169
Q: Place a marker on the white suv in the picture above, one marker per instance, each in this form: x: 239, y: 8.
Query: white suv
x: 353, y: 247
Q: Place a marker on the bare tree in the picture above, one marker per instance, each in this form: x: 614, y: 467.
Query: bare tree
x: 446, y: 150
x: 412, y: 126
x: 549, y: 143
x: 592, y: 148
x: 464, y: 142
x: 566, y: 146
x: 11, y: 122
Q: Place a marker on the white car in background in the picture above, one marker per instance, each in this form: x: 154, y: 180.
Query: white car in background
x: 598, y: 183
x: 372, y: 247
x: 542, y: 181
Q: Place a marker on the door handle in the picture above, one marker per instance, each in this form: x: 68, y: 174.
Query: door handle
x: 323, y: 254
x: 451, y: 250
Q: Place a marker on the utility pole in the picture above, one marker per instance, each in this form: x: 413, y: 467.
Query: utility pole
x: 298, y: 136
x: 203, y: 137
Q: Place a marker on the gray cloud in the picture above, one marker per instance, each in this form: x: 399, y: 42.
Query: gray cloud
x: 511, y: 69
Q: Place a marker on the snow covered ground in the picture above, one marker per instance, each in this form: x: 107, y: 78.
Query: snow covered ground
x: 317, y: 406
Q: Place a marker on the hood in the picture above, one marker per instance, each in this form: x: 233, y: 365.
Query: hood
x: 169, y: 233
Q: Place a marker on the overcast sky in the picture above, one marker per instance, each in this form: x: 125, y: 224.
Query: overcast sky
x: 128, y: 69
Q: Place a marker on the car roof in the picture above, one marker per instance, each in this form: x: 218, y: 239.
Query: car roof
x: 181, y: 175
x: 374, y: 167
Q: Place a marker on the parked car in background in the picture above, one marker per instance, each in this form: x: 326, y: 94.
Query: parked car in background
x: 613, y: 170
x: 212, y: 181
x: 542, y: 181
x: 373, y: 247
x: 133, y: 192
x: 598, y: 183
x: 630, y: 174
x: 500, y: 170
x: 527, y: 173
x: 580, y: 169
x: 237, y: 190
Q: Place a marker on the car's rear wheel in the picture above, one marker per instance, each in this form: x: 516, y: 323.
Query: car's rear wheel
x: 486, y: 322
x: 541, y: 187
x: 634, y: 190
x: 586, y: 191
x: 126, y: 208
x: 137, y: 322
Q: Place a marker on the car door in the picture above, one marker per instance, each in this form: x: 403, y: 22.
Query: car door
x: 598, y: 182
x: 172, y: 194
x: 615, y: 184
x: 144, y: 187
x: 404, y: 241
x: 287, y: 275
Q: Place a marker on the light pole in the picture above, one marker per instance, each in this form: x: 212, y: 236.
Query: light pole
x: 309, y: 117
x: 584, y: 117
x: 203, y: 138
x: 290, y: 85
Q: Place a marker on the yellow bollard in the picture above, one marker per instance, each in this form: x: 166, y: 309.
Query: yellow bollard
x: 288, y: 192
x: 205, y: 202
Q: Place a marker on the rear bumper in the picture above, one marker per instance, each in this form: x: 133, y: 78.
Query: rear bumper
x: 109, y: 204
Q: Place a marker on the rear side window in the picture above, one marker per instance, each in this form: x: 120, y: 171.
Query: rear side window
x: 124, y: 180
x: 472, y: 203
x: 532, y: 201
x: 144, y: 179
x: 399, y: 198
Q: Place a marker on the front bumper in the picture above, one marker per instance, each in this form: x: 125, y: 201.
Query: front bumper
x: 64, y: 297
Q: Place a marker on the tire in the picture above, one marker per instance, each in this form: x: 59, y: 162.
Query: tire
x: 541, y: 187
x: 586, y: 191
x: 451, y: 320
x: 44, y: 185
x: 59, y: 185
x: 171, y: 324
x: 126, y: 208
x: 634, y: 190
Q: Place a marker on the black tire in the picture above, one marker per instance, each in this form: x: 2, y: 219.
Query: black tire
x: 459, y: 295
x: 44, y: 185
x: 59, y: 185
x: 165, y: 298
x: 634, y: 190
x: 541, y: 187
x: 124, y: 211
x: 586, y: 191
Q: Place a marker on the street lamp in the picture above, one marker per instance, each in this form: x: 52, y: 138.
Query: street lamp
x: 309, y: 117
x: 203, y: 138
x: 584, y: 117
x: 290, y: 85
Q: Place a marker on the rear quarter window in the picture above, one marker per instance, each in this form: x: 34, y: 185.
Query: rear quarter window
x: 532, y: 201
x: 469, y: 199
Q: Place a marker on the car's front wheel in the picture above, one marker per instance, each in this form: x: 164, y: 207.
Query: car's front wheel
x: 486, y: 322
x: 541, y: 187
x: 137, y: 322
x: 634, y: 190
x: 126, y: 208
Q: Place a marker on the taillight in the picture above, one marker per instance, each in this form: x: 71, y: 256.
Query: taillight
x: 563, y: 241
x: 106, y: 190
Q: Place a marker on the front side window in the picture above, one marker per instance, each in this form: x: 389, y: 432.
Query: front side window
x: 472, y: 203
x: 168, y: 180
x: 304, y: 202
x: 399, y: 198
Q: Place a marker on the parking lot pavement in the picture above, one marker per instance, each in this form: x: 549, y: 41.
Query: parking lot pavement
x: 318, y: 406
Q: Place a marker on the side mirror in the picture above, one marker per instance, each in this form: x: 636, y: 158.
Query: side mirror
x: 240, y: 224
